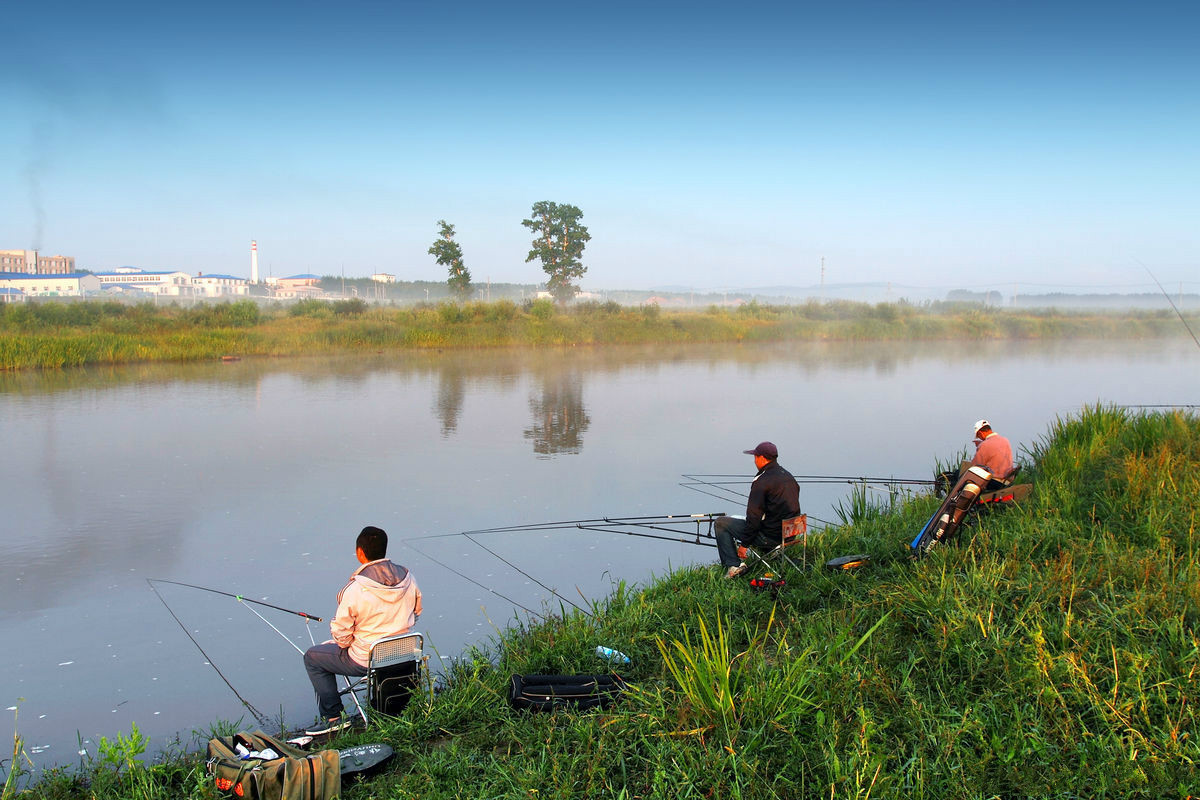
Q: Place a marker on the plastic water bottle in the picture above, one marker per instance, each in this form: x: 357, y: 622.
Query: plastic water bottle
x: 608, y: 654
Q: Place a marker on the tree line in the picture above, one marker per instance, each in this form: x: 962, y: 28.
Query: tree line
x: 558, y: 242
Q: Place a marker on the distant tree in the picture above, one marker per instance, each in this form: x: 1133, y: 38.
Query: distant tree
x: 558, y: 244
x: 449, y: 255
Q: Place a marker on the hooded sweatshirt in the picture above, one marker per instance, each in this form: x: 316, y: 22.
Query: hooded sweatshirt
x: 381, y: 599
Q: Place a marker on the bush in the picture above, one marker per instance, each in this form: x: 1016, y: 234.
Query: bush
x: 241, y: 314
x: 310, y: 307
x: 501, y: 311
x: 450, y: 313
x: 349, y: 308
x: 542, y: 309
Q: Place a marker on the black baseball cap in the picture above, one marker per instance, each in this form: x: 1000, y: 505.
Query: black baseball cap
x: 764, y: 449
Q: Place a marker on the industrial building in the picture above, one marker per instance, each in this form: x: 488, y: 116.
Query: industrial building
x: 32, y: 263
x: 219, y: 285
x: 172, y: 284
x: 74, y: 285
x: 132, y: 279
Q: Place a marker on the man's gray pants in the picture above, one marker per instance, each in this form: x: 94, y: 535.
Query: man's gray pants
x: 324, y: 663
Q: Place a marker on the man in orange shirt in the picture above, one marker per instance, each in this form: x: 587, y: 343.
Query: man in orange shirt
x: 992, y: 451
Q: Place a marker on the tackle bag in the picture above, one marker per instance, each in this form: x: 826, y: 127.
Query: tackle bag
x: 253, y: 775
x: 550, y: 692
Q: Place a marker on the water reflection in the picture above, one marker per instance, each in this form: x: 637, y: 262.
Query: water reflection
x: 559, y: 417
x: 459, y: 369
x: 450, y: 395
x: 38, y: 572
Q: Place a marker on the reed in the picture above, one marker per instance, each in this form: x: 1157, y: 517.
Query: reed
x: 55, y: 335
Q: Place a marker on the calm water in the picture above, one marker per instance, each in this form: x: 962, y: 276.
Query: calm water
x: 254, y: 477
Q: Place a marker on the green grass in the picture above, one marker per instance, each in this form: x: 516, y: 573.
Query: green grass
x: 54, y: 335
x: 1053, y: 653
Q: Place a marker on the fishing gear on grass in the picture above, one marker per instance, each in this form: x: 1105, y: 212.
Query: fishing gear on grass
x: 974, y: 487
x: 554, y: 692
x: 847, y: 563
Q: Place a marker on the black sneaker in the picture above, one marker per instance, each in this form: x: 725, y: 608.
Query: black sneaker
x: 328, y: 727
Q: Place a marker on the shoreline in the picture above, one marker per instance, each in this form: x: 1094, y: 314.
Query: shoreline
x: 55, y: 335
x: 1053, y: 647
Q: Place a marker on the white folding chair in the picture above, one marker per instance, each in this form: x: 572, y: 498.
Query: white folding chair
x: 393, y: 672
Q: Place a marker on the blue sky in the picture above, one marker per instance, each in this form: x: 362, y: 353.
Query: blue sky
x: 1043, y: 145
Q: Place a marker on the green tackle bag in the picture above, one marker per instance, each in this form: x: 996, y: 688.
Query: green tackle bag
x: 291, y: 775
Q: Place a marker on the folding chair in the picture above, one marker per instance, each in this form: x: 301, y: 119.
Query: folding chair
x: 794, y: 531
x: 393, y: 672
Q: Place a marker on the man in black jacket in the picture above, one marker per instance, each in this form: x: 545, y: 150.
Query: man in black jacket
x: 774, y: 497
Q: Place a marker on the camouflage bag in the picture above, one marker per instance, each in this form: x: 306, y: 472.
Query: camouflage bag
x: 250, y: 772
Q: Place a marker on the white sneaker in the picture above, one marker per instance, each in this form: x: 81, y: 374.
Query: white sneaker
x: 734, y: 572
x: 329, y: 726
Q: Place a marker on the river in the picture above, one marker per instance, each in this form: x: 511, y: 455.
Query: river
x: 254, y: 477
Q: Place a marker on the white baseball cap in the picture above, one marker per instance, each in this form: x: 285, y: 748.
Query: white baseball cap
x: 983, y: 423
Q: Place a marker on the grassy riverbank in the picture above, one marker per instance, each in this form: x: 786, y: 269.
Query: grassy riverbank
x: 1055, y: 652
x: 51, y: 335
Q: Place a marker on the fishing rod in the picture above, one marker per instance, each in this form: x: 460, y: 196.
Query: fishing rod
x: 258, y: 715
x: 685, y: 540
x: 809, y: 479
x: 238, y: 597
x: 657, y: 522
x: 1161, y: 405
x: 645, y: 521
x: 1178, y: 313
x: 409, y: 543
x: 526, y: 574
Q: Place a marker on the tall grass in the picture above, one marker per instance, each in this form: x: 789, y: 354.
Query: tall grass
x: 53, y: 335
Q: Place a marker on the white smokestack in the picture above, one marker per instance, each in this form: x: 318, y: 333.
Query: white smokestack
x: 253, y: 261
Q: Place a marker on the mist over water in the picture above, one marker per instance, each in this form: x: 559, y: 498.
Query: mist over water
x: 254, y: 478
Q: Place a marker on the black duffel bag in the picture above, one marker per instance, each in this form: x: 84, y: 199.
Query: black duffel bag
x: 550, y: 692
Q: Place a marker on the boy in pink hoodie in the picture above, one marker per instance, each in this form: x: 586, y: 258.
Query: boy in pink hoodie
x: 381, y: 599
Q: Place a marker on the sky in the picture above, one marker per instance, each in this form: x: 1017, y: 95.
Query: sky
x: 1046, y: 146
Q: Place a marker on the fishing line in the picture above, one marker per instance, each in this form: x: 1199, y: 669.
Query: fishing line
x: 1161, y: 405
x: 281, y: 633
x: 602, y: 529
x: 238, y: 597
x: 809, y: 479
x: 1178, y: 313
x: 523, y: 572
x: 729, y: 493
x: 574, y: 523
x: 743, y: 497
x: 258, y: 715
x: 409, y: 543
x: 697, y: 535
x: 614, y: 525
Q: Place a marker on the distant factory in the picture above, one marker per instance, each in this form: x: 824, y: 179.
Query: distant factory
x: 26, y: 274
